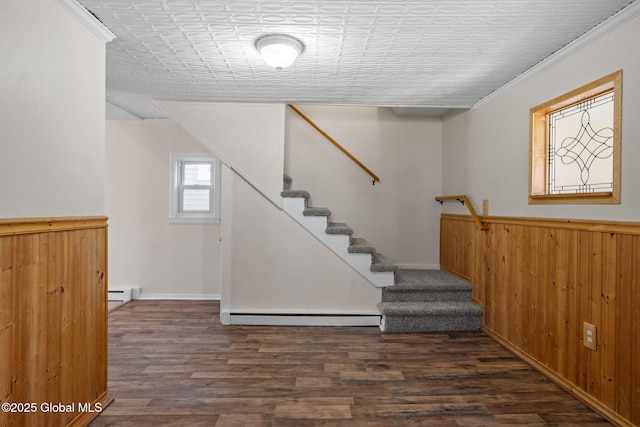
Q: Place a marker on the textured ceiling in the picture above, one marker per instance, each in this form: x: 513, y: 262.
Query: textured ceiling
x: 429, y: 54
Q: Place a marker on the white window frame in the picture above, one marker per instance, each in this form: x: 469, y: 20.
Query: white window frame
x: 209, y: 217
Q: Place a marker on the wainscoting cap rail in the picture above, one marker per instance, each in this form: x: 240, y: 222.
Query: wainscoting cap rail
x: 12, y: 226
x: 334, y: 142
x: 465, y: 201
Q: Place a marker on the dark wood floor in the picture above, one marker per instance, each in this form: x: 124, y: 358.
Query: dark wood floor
x: 171, y: 363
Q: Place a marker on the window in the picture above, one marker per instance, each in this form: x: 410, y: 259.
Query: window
x: 195, y: 190
x: 575, y: 145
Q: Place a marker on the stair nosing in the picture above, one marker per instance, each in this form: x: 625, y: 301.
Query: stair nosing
x: 313, y: 211
x: 295, y: 193
x: 339, y: 228
x: 357, y: 249
x: 429, y: 286
x: 440, y: 308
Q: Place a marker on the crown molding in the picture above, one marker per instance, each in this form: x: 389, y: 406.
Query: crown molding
x: 87, y: 19
x: 600, y: 30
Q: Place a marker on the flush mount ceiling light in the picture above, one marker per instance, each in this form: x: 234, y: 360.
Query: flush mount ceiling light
x: 279, y: 50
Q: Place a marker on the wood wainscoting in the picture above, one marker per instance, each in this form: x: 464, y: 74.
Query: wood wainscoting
x: 53, y: 320
x: 538, y: 280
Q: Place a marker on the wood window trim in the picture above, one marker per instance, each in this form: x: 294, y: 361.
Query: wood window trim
x: 539, y: 143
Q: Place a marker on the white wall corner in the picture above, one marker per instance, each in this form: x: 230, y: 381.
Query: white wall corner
x: 113, y: 112
x: 221, y: 127
x: 88, y: 19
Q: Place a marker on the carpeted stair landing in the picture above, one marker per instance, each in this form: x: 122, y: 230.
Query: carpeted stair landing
x: 419, y: 300
x: 428, y: 301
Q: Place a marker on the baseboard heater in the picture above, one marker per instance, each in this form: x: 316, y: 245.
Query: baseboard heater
x: 122, y: 294
x: 292, y: 319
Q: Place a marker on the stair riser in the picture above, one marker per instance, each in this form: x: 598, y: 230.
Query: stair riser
x: 425, y: 296
x: 425, y: 276
x: 413, y: 324
x: 338, y: 243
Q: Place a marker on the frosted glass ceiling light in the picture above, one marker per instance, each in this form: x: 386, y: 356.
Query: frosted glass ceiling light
x: 279, y: 50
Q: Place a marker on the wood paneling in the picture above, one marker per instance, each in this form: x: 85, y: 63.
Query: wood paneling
x: 538, y: 280
x: 53, y: 318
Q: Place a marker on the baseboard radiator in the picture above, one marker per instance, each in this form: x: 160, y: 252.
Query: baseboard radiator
x: 122, y: 294
x: 299, y: 319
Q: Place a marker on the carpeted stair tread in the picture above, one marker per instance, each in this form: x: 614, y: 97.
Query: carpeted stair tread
x: 380, y: 264
x: 295, y: 193
x: 311, y: 211
x: 426, y: 285
x: 441, y: 308
x: 359, y: 245
x: 427, y: 276
x: 339, y: 228
x: 428, y: 301
x: 425, y: 292
x: 435, y: 286
x: 414, y: 317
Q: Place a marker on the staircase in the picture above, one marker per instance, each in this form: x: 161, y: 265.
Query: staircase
x: 338, y: 237
x: 428, y: 301
x: 412, y: 300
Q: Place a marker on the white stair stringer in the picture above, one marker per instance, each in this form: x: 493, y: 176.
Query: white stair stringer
x: 338, y: 243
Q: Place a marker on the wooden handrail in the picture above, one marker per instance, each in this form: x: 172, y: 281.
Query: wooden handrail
x: 334, y: 142
x: 465, y: 201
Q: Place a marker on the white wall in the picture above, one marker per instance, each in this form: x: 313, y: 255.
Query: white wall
x: 486, y: 150
x: 276, y: 266
x: 247, y: 137
x: 51, y: 111
x: 398, y: 215
x: 270, y: 264
x: 165, y: 260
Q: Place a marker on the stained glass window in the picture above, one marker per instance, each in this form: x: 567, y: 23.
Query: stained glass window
x: 581, y: 147
x: 575, y: 145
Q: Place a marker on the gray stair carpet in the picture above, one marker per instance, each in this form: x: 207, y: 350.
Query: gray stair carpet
x: 419, y: 300
x: 428, y: 301
x: 356, y: 244
x: 286, y: 182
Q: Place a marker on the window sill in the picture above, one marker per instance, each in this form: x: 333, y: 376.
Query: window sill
x: 583, y: 198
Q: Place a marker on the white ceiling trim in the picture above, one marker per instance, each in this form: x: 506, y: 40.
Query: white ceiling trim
x: 87, y: 19
x: 617, y: 20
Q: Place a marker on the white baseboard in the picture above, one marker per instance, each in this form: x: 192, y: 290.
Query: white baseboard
x: 180, y: 296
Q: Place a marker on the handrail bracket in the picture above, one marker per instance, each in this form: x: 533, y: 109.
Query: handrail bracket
x: 465, y: 200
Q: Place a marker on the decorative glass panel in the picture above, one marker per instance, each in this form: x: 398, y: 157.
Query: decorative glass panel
x: 574, y: 151
x: 581, y: 147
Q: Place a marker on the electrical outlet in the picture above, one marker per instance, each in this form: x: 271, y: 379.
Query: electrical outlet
x: 485, y: 207
x: 589, y: 336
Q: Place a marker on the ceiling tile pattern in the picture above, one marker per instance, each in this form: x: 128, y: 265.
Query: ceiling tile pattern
x: 446, y: 53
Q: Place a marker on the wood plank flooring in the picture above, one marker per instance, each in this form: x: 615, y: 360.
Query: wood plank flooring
x: 171, y: 363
